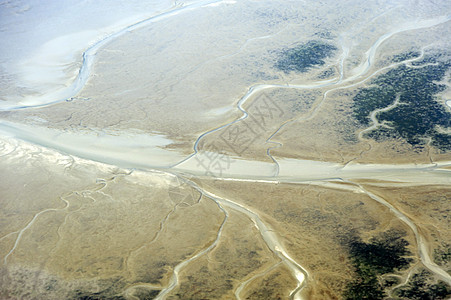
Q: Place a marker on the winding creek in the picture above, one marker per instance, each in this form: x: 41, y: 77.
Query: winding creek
x: 89, y: 55
x: 285, y: 169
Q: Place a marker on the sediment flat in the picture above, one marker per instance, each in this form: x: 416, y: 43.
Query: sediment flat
x: 229, y: 150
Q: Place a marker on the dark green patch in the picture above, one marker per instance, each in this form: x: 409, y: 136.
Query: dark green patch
x: 109, y: 289
x: 383, y: 254
x: 405, y: 56
x: 419, y: 288
x: 442, y: 141
x: 416, y: 118
x: 365, y: 286
x: 145, y: 294
x: 382, y: 133
x: 379, y: 256
x: 443, y: 254
x: 389, y: 281
x: 305, y: 56
x: 79, y: 295
x: 429, y: 59
x: 327, y: 73
x: 327, y: 35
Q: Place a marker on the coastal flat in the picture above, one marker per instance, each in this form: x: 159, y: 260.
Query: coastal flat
x: 226, y: 150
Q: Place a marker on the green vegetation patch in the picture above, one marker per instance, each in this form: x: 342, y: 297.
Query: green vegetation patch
x: 405, y: 56
x: 419, y: 288
x: 381, y: 255
x: 443, y: 254
x: 328, y: 73
x: 419, y: 113
x: 303, y: 57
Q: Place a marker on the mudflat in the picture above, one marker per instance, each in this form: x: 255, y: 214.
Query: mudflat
x: 226, y: 150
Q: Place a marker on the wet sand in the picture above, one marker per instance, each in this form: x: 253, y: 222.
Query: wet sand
x: 130, y: 182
